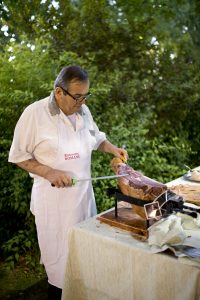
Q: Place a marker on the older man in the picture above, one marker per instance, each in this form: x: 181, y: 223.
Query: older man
x: 53, y: 141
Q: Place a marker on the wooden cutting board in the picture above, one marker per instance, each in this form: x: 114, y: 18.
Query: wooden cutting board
x: 127, y: 220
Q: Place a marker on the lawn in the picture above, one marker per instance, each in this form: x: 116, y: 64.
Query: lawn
x: 22, y: 283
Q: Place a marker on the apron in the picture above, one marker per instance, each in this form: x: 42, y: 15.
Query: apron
x: 57, y: 209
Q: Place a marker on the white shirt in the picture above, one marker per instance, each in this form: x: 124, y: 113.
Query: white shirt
x: 36, y: 135
x: 72, y: 119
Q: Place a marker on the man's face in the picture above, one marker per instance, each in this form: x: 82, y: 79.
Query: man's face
x: 76, y: 89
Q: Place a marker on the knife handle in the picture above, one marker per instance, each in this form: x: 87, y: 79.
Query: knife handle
x: 74, y: 182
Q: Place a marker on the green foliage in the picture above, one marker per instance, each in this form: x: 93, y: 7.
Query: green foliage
x: 154, y: 157
x: 143, y: 60
x: 22, y: 242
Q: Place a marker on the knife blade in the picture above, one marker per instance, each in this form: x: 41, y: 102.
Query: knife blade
x: 76, y: 180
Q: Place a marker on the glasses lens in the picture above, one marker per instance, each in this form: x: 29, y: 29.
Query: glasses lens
x: 84, y: 97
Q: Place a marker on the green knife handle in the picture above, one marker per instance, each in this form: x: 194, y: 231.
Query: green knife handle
x: 74, y: 181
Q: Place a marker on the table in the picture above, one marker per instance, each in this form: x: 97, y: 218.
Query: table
x: 106, y: 263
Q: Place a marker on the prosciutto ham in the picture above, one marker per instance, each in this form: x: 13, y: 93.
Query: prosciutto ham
x: 136, y: 184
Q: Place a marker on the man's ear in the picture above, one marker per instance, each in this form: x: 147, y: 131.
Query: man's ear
x: 58, y: 91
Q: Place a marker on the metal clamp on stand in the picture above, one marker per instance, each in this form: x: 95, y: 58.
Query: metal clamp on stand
x: 116, y: 193
x: 168, y: 203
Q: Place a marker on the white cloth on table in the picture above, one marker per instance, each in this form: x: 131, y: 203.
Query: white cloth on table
x: 106, y: 263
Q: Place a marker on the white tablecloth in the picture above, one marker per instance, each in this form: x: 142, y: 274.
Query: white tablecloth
x: 106, y: 263
x: 182, y: 180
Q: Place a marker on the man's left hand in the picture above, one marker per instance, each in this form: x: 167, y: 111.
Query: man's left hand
x: 121, y: 153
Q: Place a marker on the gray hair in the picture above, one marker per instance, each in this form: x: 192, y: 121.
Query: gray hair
x: 68, y: 74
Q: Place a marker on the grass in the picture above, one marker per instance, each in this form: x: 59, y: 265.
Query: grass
x: 22, y: 283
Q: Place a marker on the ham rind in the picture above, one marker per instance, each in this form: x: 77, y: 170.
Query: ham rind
x: 136, y: 184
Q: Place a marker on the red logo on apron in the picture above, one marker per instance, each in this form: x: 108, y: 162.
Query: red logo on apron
x: 72, y: 156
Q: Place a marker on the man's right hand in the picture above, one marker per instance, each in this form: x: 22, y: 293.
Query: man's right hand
x: 58, y: 178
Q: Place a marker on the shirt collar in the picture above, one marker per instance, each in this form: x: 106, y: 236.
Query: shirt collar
x: 54, y: 108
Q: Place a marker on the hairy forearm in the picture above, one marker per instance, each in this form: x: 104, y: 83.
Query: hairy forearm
x: 33, y: 166
x: 56, y: 177
x: 107, y: 147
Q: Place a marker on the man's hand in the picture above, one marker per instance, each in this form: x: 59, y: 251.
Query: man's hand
x: 55, y: 177
x: 58, y: 178
x: 106, y: 146
x: 121, y: 153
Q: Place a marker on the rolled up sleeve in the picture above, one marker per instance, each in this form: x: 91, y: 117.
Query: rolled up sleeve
x: 99, y: 135
x: 94, y: 130
x: 22, y: 147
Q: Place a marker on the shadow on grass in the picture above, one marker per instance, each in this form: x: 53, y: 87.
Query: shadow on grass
x: 23, y: 283
x: 37, y: 291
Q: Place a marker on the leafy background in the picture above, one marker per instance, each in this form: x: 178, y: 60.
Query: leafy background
x: 143, y: 58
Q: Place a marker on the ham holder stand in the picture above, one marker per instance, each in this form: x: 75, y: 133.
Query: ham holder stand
x: 126, y: 218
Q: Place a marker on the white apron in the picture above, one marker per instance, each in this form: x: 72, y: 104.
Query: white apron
x: 57, y: 209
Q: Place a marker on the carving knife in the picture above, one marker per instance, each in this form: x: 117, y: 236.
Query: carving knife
x: 75, y: 180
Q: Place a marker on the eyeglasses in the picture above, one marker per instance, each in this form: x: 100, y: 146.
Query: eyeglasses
x: 78, y: 98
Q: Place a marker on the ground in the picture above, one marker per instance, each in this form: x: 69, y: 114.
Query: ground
x: 22, y: 283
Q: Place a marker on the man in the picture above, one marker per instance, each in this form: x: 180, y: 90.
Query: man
x: 53, y: 141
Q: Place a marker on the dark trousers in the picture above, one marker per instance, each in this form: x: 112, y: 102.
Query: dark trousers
x: 54, y: 293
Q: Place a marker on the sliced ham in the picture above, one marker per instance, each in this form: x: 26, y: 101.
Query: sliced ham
x: 136, y: 184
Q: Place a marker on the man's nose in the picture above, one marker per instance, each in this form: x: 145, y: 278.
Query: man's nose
x: 83, y: 101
